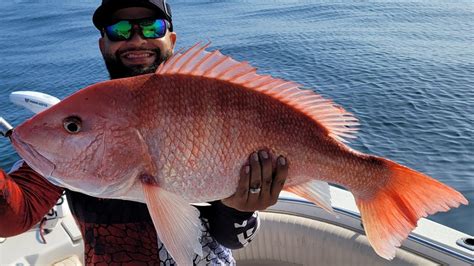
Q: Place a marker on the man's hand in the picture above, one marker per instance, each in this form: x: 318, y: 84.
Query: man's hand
x: 261, y: 180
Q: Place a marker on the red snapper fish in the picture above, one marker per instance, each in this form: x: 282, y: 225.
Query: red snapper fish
x: 181, y: 135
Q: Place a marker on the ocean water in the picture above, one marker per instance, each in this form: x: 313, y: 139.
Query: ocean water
x: 405, y: 68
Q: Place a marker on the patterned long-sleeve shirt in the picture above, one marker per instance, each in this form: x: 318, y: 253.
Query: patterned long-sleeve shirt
x: 117, y: 231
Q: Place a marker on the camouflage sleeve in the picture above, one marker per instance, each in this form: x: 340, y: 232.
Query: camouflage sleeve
x: 25, y: 197
x: 231, y: 228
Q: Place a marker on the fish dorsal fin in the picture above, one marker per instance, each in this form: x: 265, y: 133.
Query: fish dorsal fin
x: 196, y: 61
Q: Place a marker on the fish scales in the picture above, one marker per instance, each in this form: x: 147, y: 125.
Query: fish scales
x: 229, y: 121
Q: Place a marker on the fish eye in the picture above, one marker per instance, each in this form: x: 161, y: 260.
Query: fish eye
x: 72, y: 124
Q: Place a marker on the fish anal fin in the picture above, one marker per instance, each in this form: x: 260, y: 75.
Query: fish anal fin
x: 176, y: 222
x: 315, y: 191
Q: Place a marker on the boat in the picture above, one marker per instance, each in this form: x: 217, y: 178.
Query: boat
x: 292, y: 232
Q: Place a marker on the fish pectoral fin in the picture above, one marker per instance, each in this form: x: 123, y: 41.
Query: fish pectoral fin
x: 315, y: 191
x: 176, y: 222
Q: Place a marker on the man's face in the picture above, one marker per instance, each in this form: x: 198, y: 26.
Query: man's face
x: 138, y: 55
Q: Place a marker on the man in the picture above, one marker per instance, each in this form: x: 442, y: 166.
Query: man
x: 137, y: 36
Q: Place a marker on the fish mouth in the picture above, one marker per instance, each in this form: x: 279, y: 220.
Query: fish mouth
x: 32, y: 157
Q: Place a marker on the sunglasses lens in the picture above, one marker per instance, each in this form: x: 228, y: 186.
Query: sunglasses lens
x: 152, y: 29
x: 119, y: 31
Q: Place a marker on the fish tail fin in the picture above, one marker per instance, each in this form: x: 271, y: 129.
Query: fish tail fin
x: 392, y: 212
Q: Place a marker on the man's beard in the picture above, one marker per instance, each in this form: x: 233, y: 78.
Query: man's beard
x: 118, y: 70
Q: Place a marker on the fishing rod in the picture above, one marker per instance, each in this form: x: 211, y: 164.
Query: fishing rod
x: 5, y: 127
x: 31, y: 100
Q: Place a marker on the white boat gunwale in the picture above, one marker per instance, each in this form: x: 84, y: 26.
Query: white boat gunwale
x: 344, y: 206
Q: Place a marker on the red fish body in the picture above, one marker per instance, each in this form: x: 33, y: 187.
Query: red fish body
x: 182, y: 134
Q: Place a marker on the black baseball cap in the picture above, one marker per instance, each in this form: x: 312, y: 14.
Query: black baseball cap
x: 108, y: 7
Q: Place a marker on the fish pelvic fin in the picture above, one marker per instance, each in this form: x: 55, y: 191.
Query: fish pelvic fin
x: 315, y: 191
x: 392, y: 212
x: 176, y: 222
x: 196, y: 61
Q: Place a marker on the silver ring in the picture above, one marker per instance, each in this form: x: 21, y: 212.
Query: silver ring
x: 255, y: 190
